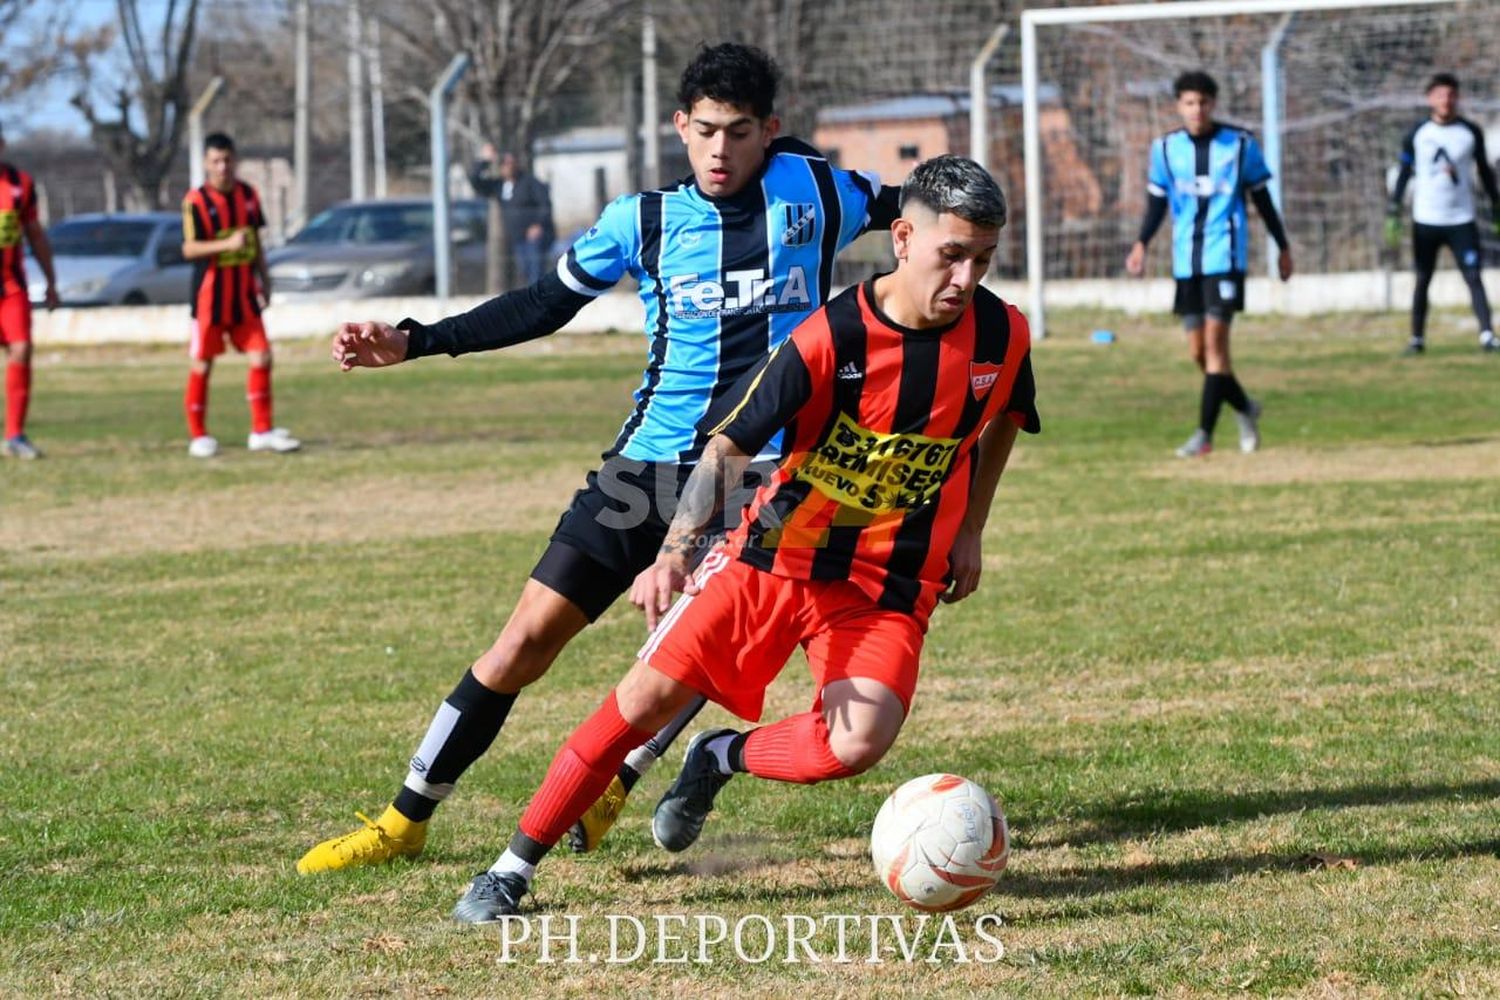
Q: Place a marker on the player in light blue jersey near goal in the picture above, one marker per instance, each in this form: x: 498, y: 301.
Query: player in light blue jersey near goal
x: 727, y: 262
x: 1203, y: 171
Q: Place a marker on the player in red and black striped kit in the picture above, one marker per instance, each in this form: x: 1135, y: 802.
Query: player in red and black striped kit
x: 221, y: 223
x: 901, y: 399
x: 18, y: 219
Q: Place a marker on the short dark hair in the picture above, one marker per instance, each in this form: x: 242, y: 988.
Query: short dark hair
x: 957, y: 185
x: 740, y: 76
x: 1442, y: 80
x: 218, y: 140
x: 1198, y: 82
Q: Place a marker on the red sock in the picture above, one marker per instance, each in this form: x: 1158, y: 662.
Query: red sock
x: 258, y: 392
x: 195, y: 403
x: 794, y: 749
x: 580, y: 773
x: 17, y: 395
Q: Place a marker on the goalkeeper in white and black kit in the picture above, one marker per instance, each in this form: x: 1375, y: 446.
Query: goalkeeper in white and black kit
x: 1442, y: 154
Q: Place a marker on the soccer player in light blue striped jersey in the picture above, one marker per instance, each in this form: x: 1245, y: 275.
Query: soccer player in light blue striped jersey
x: 727, y: 262
x: 1203, y: 172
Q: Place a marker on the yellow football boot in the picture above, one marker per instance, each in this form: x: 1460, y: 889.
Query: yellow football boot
x: 589, y: 831
x: 377, y: 843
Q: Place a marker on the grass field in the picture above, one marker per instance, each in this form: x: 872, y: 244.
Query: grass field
x: 1197, y: 687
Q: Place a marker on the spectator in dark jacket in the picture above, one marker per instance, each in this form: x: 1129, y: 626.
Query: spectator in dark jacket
x: 525, y: 213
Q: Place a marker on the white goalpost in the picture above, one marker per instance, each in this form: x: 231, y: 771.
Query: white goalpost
x: 1329, y: 86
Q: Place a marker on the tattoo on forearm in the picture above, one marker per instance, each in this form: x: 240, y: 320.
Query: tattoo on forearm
x: 701, y: 499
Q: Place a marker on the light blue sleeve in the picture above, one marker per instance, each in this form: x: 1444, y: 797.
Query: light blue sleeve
x: 606, y: 251
x: 1158, y: 178
x: 1256, y: 172
x: 857, y: 191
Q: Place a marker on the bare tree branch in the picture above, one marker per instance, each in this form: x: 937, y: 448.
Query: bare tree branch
x: 158, y: 103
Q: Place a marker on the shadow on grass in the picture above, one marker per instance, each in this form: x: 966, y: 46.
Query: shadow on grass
x: 1172, y: 810
x: 1094, y: 880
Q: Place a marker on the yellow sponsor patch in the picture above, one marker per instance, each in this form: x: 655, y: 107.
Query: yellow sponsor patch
x: 875, y: 472
x: 244, y: 255
x: 10, y: 228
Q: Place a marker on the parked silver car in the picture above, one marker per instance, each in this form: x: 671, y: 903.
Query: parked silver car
x: 359, y: 249
x: 124, y: 259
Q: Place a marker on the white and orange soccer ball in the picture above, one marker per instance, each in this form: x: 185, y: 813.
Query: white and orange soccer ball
x: 939, y: 843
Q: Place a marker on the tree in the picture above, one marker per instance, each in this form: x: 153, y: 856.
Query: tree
x: 525, y: 53
x: 138, y: 127
x: 40, y: 43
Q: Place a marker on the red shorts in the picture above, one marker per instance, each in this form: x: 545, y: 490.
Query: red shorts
x: 208, y: 341
x: 15, y: 319
x: 731, y: 639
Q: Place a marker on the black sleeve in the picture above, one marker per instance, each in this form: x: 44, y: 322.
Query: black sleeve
x: 513, y: 318
x: 1156, y: 211
x: 768, y: 397
x: 1486, y: 169
x: 1267, y: 208
x: 885, y: 209
x: 484, y: 184
x: 1022, y: 403
x: 1403, y: 176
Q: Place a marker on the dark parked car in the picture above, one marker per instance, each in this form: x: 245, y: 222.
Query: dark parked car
x: 358, y: 249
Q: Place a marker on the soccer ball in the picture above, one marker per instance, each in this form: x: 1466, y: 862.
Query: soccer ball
x: 939, y: 843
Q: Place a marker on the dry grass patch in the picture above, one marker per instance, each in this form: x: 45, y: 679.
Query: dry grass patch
x: 1438, y: 461
x: 370, y: 508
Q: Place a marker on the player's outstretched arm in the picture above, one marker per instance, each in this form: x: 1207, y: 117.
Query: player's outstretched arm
x: 967, y: 558
x: 368, y: 345
x: 722, y: 464
x: 539, y: 309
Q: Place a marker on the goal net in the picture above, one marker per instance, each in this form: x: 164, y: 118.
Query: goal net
x: 1350, y: 83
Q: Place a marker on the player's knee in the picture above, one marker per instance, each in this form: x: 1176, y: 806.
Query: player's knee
x: 859, y: 750
x: 648, y: 699
x: 521, y: 654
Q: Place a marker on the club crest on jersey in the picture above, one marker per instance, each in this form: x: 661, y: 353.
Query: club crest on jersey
x: 800, y: 218
x: 982, y: 376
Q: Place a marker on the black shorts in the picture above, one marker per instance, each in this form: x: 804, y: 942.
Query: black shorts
x: 610, y: 532
x: 1216, y: 295
x: 1462, y: 239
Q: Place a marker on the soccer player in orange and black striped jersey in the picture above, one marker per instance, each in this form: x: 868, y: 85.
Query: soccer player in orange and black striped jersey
x: 18, y: 219
x: 221, y: 223
x: 901, y: 399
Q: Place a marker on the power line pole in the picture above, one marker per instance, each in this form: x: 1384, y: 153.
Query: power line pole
x: 651, y: 152
x: 302, y: 127
x: 377, y: 108
x: 195, y: 129
x: 358, y: 189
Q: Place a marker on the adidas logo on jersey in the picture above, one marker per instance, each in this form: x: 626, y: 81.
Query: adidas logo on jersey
x: 850, y: 372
